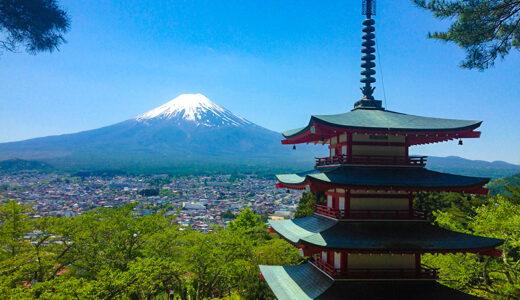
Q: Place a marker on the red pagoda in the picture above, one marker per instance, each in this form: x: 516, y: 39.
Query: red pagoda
x: 367, y: 241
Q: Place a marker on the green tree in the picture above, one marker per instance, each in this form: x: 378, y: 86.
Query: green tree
x: 307, y: 202
x: 250, y: 223
x: 14, y: 224
x: 37, y: 25
x: 485, y: 29
x: 490, y: 277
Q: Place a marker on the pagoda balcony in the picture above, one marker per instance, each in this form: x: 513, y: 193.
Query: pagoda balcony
x: 419, y: 273
x: 416, y: 161
x: 369, y: 214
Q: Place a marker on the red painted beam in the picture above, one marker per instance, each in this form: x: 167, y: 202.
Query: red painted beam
x: 415, y: 137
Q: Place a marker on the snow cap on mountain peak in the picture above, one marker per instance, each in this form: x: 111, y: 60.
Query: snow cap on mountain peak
x: 196, y: 108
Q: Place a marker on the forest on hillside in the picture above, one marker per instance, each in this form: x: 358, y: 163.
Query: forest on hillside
x: 113, y: 254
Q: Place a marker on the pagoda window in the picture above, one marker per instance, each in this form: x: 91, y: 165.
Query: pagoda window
x: 337, y: 260
x: 324, y: 256
x: 344, y: 150
x: 332, y: 151
x: 381, y: 261
x: 330, y: 200
x: 341, y: 203
x: 343, y: 138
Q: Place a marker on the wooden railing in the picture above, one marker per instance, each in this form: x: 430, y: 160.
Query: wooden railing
x: 369, y: 214
x: 328, y: 211
x: 422, y: 273
x: 419, y: 161
x: 324, y: 266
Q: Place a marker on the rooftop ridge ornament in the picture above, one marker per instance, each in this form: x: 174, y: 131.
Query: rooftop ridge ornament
x: 368, y: 101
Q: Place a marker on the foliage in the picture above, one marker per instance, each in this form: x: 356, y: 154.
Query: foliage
x: 37, y: 25
x: 148, y: 192
x: 459, y: 205
x: 113, y: 254
x: 307, y: 201
x: 485, y: 29
x: 227, y: 215
x: 486, y: 276
x: 17, y: 165
x: 166, y: 192
x: 501, y: 185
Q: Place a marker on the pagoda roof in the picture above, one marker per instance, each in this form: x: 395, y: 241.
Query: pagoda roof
x: 395, y: 178
x: 305, y: 282
x: 377, y: 120
x: 374, y: 236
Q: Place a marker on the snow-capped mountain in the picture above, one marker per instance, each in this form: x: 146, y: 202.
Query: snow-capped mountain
x: 195, y: 108
x: 189, y: 130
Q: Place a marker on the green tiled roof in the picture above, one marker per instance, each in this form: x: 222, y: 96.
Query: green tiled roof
x: 375, y: 119
x: 383, y: 177
x: 301, y: 227
x: 378, y: 235
x: 302, y: 282
x: 305, y: 282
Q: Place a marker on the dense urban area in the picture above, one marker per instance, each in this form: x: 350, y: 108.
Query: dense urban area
x: 199, y: 201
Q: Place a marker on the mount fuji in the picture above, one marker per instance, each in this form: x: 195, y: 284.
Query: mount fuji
x: 189, y: 133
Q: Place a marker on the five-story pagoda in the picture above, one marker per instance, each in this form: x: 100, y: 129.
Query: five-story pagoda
x: 367, y: 241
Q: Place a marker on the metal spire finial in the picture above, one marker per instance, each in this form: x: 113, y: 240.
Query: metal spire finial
x: 368, y: 65
x: 369, y: 9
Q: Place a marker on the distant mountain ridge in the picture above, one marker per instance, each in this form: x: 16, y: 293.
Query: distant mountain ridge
x: 462, y: 166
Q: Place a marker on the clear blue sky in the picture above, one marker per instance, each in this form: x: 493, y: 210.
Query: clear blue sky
x: 272, y: 62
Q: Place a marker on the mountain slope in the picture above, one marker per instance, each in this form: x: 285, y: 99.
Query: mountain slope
x: 189, y: 130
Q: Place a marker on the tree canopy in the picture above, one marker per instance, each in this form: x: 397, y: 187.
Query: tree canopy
x: 485, y: 29
x: 35, y: 25
x: 114, y: 254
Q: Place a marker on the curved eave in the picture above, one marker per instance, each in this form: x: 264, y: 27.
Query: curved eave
x: 303, y: 282
x: 380, y: 236
x: 357, y: 178
x: 418, y: 135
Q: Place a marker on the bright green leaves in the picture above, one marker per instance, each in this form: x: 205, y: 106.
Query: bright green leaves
x: 491, y: 277
x: 113, y: 254
x: 306, y: 205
